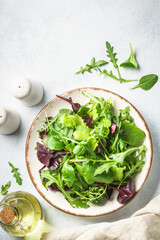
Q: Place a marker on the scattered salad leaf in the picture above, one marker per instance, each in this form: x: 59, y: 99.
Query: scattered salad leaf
x: 131, y: 61
x: 111, y: 75
x: 93, y: 65
x: 4, y: 188
x: 16, y: 174
x: 147, y: 82
x: 112, y: 56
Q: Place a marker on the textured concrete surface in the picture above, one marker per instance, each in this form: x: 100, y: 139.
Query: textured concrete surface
x: 49, y: 41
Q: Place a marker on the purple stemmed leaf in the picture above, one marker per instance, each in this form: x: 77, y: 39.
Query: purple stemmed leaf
x: 49, y: 158
x: 100, y: 147
x: 75, y: 106
x: 88, y: 120
x: 44, y: 154
x: 109, y: 192
x: 125, y: 192
x: 52, y: 186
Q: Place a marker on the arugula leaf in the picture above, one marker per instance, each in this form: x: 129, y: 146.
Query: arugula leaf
x: 68, y: 174
x: 93, y: 65
x: 147, y: 82
x: 94, y: 194
x: 133, y: 169
x: 4, y: 188
x: 112, y: 57
x: 120, y: 157
x: 124, y: 115
x: 105, y: 167
x: 131, y: 134
x: 16, y: 174
x: 111, y: 75
x: 131, y: 61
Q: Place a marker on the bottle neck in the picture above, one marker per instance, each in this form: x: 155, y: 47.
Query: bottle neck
x: 8, y: 214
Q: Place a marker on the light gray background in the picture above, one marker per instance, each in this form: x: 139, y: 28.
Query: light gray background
x: 49, y: 41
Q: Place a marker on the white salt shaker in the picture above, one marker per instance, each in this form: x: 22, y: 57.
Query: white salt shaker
x: 29, y: 92
x: 9, y: 120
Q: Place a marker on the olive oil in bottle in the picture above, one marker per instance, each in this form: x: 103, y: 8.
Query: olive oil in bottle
x: 20, y: 213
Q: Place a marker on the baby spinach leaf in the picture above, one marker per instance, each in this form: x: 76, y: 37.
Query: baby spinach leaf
x: 87, y: 169
x: 131, y: 134
x: 54, y: 143
x: 131, y: 61
x: 68, y: 174
x: 147, y: 82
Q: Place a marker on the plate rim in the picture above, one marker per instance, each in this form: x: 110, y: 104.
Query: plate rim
x: 27, y: 147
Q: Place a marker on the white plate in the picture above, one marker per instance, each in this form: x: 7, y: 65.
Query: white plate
x: 33, y: 165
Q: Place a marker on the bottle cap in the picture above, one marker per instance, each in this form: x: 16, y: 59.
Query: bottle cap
x: 7, y: 215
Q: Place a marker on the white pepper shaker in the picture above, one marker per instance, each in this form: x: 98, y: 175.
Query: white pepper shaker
x: 29, y: 92
x: 9, y: 120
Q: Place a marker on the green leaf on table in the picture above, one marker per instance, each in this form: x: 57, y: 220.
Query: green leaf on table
x: 93, y: 65
x: 131, y: 134
x: 113, y: 59
x: 147, y: 82
x: 111, y: 54
x: 111, y: 75
x: 16, y: 174
x: 131, y: 61
x: 4, y: 188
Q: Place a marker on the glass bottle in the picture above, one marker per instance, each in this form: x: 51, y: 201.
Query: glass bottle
x: 20, y: 213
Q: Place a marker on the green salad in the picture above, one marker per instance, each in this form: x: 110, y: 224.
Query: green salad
x: 88, y: 152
